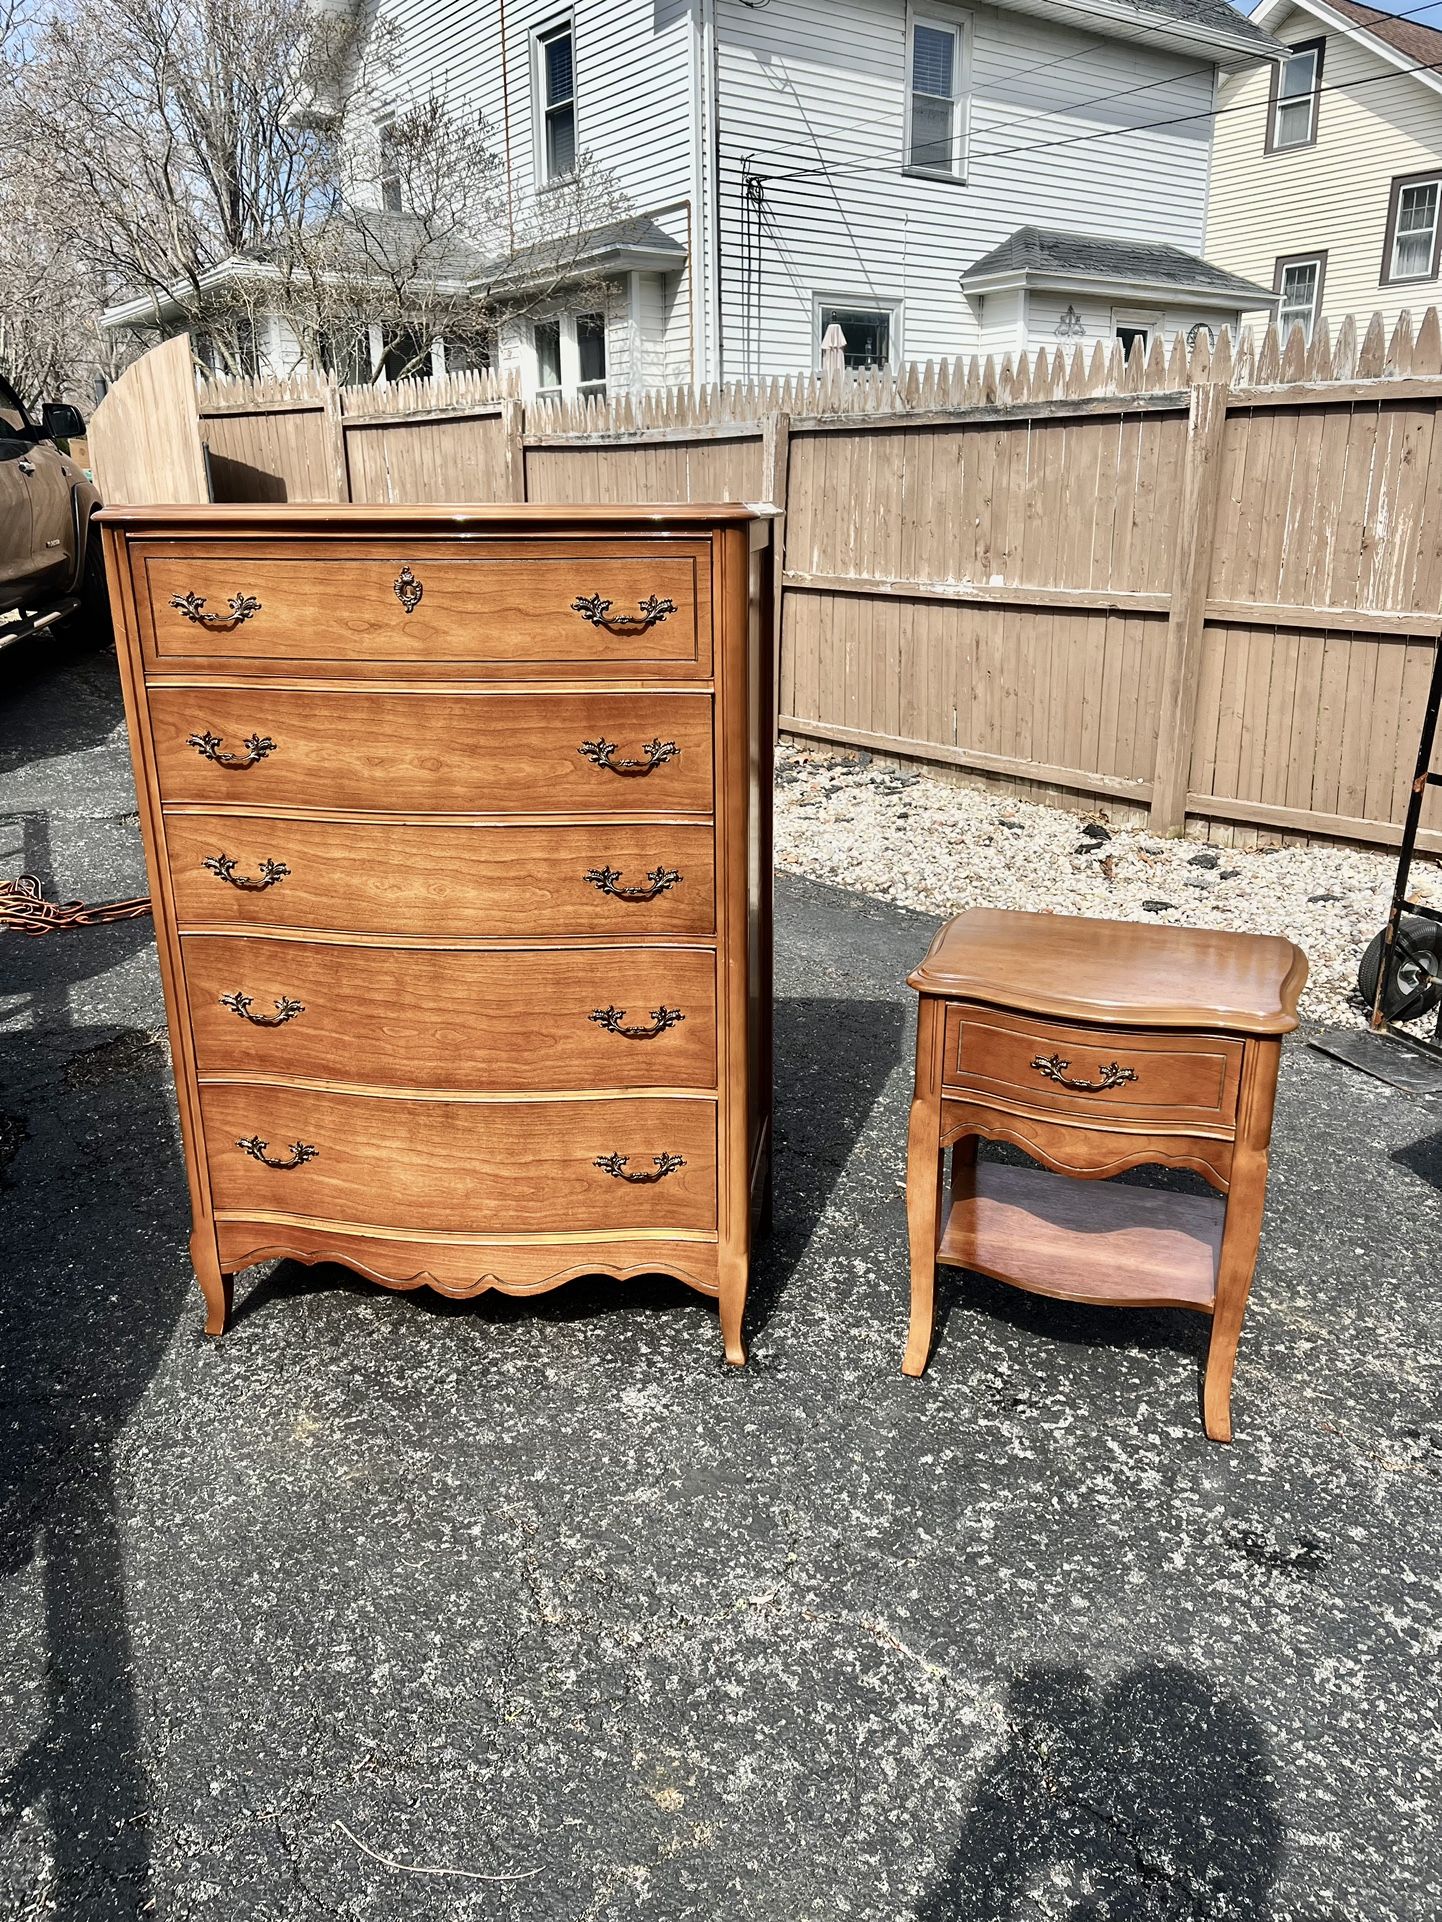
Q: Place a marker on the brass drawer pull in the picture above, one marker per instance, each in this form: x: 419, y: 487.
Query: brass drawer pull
x: 657, y: 752
x: 592, y: 608
x: 658, y: 880
x: 613, y: 1019
x: 1055, y: 1069
x: 285, y: 1009
x: 300, y: 1153
x: 616, y: 1165
x: 192, y: 606
x: 208, y: 746
x: 223, y: 865
x: 408, y: 590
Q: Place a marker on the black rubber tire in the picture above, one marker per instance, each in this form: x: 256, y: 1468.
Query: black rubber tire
x: 1416, y: 984
x: 91, y: 624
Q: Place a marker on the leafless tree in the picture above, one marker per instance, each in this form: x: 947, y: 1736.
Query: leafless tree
x: 217, y: 162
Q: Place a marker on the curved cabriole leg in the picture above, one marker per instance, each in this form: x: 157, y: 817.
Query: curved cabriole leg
x: 217, y: 1288
x: 1235, y: 1267
x: 732, y: 1304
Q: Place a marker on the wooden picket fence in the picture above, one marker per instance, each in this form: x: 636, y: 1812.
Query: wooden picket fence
x: 1203, y: 587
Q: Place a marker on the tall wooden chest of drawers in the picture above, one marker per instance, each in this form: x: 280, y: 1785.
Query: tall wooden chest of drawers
x: 459, y: 833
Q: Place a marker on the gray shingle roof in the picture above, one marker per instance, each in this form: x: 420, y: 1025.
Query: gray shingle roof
x: 585, y: 253
x: 1053, y: 250
x: 1217, y: 15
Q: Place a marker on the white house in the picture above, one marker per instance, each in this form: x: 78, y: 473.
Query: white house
x: 931, y: 177
x: 1327, y: 176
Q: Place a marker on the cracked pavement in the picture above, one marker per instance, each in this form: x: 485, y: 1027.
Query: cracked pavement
x: 392, y: 1607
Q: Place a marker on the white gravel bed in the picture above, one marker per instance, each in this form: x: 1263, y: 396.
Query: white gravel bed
x: 940, y: 848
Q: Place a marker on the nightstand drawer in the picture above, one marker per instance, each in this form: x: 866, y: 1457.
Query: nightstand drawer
x: 1105, y: 1075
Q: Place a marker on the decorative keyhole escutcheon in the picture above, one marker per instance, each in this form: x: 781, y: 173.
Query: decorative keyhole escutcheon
x: 408, y: 590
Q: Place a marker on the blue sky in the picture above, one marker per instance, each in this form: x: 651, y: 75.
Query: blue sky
x: 1428, y: 16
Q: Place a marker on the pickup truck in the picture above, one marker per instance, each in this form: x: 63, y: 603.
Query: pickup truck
x: 51, y: 567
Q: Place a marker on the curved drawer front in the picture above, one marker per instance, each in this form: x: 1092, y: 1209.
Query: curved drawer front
x: 439, y: 609
x: 434, y: 753
x: 278, y: 871
x: 1106, y: 1074
x: 453, y: 1019
x: 463, y: 1167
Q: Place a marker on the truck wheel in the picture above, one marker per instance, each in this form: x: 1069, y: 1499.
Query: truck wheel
x: 91, y: 623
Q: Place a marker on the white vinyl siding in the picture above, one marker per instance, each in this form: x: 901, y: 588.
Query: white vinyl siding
x: 816, y: 93
x: 1332, y: 197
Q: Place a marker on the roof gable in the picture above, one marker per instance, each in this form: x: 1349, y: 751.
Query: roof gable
x: 1403, y: 44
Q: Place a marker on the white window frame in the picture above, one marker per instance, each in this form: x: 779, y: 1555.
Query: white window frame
x: 944, y: 19
x: 1146, y: 320
x: 1285, y: 102
x: 384, y: 174
x: 1286, y: 319
x: 549, y: 28
x: 565, y: 323
x: 859, y: 304
x: 1429, y: 272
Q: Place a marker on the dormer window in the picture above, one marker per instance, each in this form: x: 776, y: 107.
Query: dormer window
x: 1295, y: 85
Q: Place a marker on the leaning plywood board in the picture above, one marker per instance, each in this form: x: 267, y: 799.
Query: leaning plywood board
x: 144, y: 436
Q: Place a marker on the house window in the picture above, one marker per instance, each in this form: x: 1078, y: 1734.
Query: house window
x: 547, y: 337
x: 591, y: 354
x: 1298, y: 279
x: 1293, y: 120
x: 1412, y: 224
x: 406, y: 355
x: 556, y: 87
x: 935, y: 124
x: 866, y: 331
x: 389, y: 170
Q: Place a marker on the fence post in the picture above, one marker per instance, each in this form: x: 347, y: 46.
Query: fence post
x: 513, y: 426
x: 335, y: 438
x: 1195, y: 533
x: 775, y: 473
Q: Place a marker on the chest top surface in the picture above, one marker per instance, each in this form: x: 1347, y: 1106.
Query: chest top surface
x: 1117, y: 971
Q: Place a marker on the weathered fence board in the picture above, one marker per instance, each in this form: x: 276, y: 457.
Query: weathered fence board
x: 1204, y: 585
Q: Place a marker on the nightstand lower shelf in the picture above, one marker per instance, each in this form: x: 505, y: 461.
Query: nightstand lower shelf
x: 1106, y: 1242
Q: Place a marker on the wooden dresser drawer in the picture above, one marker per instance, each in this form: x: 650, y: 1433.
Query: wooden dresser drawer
x: 1145, y: 1075
x: 465, y: 1167
x: 443, y: 609
x: 449, y: 1018
x: 436, y: 753
x: 282, y: 871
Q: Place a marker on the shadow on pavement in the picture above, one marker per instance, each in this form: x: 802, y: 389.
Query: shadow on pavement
x: 1149, y: 1795
x: 90, y: 1292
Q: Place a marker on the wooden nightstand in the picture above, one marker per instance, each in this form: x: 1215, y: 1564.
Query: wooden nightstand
x: 1097, y: 1046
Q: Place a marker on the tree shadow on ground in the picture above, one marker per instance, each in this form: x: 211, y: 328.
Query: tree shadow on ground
x: 1143, y: 1799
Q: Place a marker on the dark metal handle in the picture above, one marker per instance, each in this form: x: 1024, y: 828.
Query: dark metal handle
x: 657, y: 752
x: 1055, y: 1069
x: 408, y: 590
x: 658, y: 880
x: 192, y: 606
x: 223, y: 865
x: 654, y: 608
x: 285, y: 1009
x: 208, y: 746
x: 26, y: 466
x: 612, y: 1020
x: 616, y: 1165
x: 300, y: 1152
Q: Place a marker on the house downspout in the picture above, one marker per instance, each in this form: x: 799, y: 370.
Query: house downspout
x: 706, y: 235
x: 506, y: 129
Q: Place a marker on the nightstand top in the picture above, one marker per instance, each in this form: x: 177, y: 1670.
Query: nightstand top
x: 1140, y: 973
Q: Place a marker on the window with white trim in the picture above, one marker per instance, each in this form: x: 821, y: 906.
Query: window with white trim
x: 546, y: 336
x: 556, y: 100
x: 936, y: 95
x: 1299, y: 282
x: 1294, y: 105
x: 591, y: 354
x: 389, y: 168
x: 1414, y: 233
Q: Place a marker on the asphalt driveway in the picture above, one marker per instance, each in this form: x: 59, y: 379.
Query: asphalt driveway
x: 392, y: 1607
